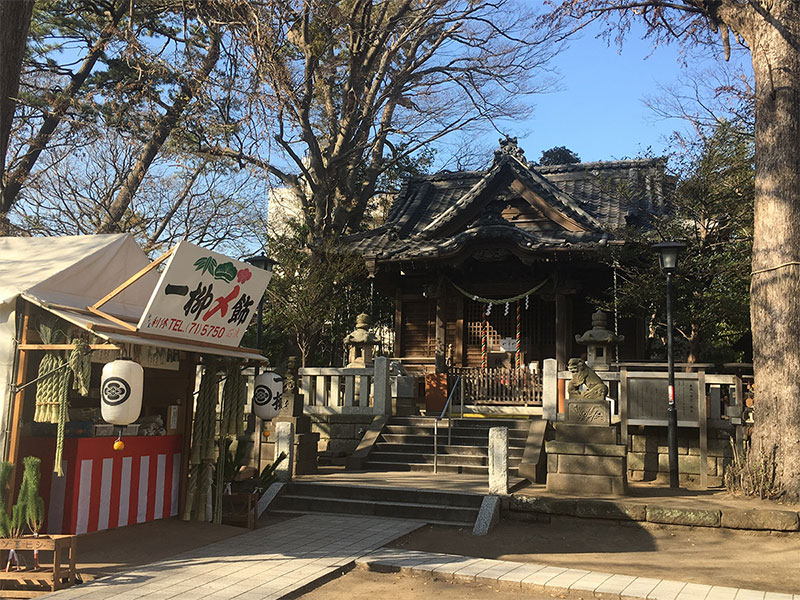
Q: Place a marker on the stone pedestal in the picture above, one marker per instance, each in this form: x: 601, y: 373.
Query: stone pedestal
x: 305, y: 444
x: 585, y: 457
x: 305, y: 441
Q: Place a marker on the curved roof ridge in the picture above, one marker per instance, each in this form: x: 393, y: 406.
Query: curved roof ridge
x: 602, y: 164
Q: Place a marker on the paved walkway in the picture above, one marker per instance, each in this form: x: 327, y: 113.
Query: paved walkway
x: 289, y: 557
x: 264, y: 564
x: 553, y: 580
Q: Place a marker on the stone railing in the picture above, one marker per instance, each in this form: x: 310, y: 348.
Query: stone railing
x: 331, y: 390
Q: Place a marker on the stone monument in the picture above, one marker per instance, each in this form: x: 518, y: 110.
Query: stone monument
x: 360, y: 343
x: 585, y: 456
x: 304, y: 457
x: 598, y: 341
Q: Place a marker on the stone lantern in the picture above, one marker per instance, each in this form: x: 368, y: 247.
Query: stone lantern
x: 360, y: 343
x: 598, y: 341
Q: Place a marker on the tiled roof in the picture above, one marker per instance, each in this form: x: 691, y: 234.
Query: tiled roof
x: 600, y: 197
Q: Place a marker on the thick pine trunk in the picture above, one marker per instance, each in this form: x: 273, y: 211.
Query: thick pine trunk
x: 15, y: 19
x: 775, y: 299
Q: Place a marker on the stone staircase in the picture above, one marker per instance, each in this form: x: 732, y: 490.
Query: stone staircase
x: 431, y: 506
x: 406, y: 444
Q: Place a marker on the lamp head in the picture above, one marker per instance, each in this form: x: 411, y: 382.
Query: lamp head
x: 261, y: 262
x: 668, y: 255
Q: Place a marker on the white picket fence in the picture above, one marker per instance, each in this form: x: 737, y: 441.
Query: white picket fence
x: 331, y: 390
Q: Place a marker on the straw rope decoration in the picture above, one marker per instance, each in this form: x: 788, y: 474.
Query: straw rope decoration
x: 52, y: 404
x: 80, y: 363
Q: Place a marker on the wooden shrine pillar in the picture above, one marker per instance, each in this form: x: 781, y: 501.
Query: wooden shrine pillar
x: 563, y: 330
x: 398, y: 323
x: 441, y: 326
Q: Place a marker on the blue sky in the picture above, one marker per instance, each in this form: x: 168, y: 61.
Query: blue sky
x: 599, y: 113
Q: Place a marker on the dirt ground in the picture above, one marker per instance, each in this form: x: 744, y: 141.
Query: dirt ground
x: 754, y: 560
x: 762, y: 561
x: 361, y: 584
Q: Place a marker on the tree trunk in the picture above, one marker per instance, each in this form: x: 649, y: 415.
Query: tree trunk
x: 775, y: 287
x: 694, y: 345
x: 15, y: 19
x: 14, y: 181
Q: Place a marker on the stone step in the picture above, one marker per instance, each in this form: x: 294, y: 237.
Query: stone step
x: 424, y: 467
x: 381, y: 494
x: 455, y: 439
x: 443, y: 449
x: 521, y: 424
x: 286, y: 511
x: 456, y: 427
x: 400, y: 510
x: 443, y: 459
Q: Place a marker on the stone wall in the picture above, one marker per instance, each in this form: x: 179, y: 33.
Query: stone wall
x: 339, y: 435
x: 648, y: 458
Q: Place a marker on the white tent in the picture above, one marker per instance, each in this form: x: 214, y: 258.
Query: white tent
x: 65, y: 275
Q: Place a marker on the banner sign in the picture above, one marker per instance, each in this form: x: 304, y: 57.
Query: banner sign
x: 204, y: 296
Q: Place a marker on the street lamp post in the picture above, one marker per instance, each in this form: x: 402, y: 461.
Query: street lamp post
x: 668, y: 259
x: 259, y: 262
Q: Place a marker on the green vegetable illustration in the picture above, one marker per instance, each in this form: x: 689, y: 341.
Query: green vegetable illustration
x: 225, y: 271
x: 204, y: 264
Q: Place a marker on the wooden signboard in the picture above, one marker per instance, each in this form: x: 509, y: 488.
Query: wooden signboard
x: 204, y: 296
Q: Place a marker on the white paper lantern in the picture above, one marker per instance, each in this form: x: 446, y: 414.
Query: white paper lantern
x: 121, y: 391
x: 268, y: 395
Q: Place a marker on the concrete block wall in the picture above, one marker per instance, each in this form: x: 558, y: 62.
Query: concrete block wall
x: 648, y: 458
x: 339, y: 435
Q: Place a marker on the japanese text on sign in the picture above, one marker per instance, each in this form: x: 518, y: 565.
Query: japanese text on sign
x: 203, y: 295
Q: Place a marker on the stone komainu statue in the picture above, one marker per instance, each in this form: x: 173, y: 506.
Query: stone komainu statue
x: 585, y: 383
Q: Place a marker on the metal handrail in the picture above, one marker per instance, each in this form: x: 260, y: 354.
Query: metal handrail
x: 449, y: 422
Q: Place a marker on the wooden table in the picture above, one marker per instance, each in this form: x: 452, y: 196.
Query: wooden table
x: 34, y: 582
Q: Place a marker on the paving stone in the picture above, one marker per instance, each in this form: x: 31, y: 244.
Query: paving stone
x: 749, y: 595
x: 591, y: 581
x: 640, y: 587
x: 520, y: 573
x: 542, y: 576
x: 494, y: 573
x: 469, y: 572
x: 721, y: 593
x: 777, y: 596
x: 566, y: 579
x: 614, y: 584
x: 694, y: 591
x: 666, y: 590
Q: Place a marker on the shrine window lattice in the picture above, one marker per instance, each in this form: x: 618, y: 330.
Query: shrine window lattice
x: 538, y: 322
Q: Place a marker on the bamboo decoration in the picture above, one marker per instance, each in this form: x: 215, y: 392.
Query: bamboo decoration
x: 518, y: 357
x: 5, y: 521
x: 205, y: 416
x: 233, y: 400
